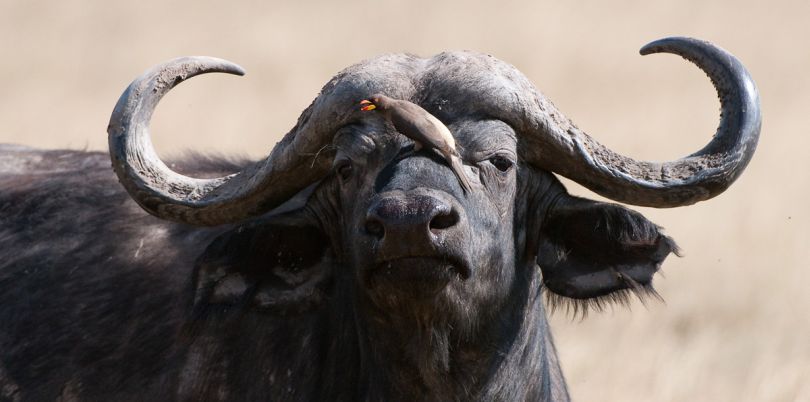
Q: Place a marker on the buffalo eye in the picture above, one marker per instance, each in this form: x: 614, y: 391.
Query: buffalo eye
x: 344, y: 169
x: 501, y: 163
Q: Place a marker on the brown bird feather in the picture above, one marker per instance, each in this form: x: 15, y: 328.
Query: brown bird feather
x: 423, y: 128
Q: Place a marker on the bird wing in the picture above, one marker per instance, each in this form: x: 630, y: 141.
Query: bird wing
x: 419, y: 125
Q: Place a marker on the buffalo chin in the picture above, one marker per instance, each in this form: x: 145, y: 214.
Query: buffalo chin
x: 415, y: 276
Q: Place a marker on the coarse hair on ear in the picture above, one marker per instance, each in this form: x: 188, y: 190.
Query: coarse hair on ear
x: 594, y: 254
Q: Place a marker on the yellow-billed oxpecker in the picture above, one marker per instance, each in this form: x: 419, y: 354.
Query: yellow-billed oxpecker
x: 422, y: 127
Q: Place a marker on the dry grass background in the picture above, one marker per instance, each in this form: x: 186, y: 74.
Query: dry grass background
x: 735, y: 325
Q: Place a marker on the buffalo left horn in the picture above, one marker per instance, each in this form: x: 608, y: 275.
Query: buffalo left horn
x: 556, y: 144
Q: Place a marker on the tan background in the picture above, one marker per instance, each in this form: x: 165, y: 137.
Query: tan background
x: 735, y: 325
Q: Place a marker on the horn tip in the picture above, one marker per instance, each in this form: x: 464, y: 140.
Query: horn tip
x: 215, y: 64
x: 666, y: 45
x: 235, y: 69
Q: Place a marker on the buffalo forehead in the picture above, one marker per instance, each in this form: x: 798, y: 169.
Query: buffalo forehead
x: 479, y: 137
x: 371, y: 137
x: 449, y: 85
x: 466, y: 84
x: 471, y: 93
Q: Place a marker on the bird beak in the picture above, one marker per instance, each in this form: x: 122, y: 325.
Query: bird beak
x: 368, y: 105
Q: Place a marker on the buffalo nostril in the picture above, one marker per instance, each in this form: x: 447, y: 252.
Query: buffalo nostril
x: 443, y: 221
x: 375, y: 228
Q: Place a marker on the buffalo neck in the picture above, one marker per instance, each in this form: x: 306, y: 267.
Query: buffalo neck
x: 509, y: 357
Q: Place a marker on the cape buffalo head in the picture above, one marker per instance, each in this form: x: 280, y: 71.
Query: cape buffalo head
x: 387, y: 228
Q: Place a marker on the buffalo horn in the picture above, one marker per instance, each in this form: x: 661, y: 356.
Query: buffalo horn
x: 291, y: 166
x: 558, y: 145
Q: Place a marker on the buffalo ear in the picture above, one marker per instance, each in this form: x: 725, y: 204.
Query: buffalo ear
x: 281, y: 264
x: 594, y: 252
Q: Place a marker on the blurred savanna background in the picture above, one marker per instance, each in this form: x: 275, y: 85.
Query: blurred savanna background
x: 735, y: 324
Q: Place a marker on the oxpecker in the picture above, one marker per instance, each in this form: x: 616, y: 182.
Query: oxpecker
x: 422, y: 127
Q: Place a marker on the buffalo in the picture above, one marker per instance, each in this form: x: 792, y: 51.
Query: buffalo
x: 350, y: 264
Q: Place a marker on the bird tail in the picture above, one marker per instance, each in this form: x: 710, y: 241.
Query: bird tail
x: 458, y: 169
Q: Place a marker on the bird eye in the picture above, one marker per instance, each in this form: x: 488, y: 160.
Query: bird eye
x: 501, y: 163
x: 344, y: 169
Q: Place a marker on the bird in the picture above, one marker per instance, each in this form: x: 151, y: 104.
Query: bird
x: 423, y: 128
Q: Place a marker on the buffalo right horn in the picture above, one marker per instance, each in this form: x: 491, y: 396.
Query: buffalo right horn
x: 290, y: 167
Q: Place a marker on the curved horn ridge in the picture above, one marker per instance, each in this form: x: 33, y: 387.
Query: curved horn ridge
x: 699, y: 176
